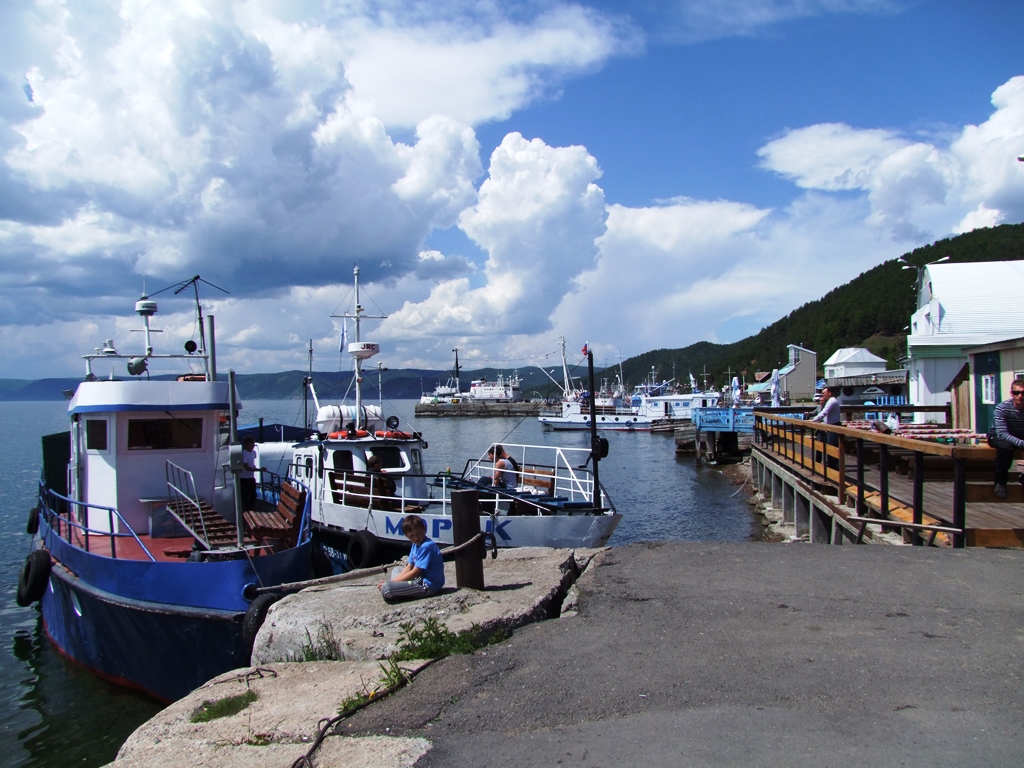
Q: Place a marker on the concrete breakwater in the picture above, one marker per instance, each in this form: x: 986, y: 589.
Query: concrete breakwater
x: 351, y: 621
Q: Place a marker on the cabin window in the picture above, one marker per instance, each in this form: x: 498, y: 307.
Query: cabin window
x: 417, y: 461
x: 96, y: 434
x: 309, y: 466
x: 342, y: 460
x: 164, y: 434
x: 390, y: 457
x: 988, y: 389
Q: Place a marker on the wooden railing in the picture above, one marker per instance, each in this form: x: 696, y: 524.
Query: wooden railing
x: 822, y: 449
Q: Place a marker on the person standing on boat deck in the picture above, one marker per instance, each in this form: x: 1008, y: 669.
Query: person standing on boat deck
x: 247, y: 478
x: 506, y: 470
x: 1008, y: 426
x: 424, y: 574
x: 828, y: 413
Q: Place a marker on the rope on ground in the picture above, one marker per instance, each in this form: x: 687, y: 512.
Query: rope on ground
x: 744, y: 485
x: 295, y: 586
x: 325, y: 725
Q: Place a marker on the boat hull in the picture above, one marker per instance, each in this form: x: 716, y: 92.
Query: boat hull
x: 164, y: 628
x: 561, y: 531
x: 164, y: 651
x: 560, y: 424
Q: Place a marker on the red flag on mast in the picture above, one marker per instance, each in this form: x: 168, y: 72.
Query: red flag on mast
x: 586, y: 348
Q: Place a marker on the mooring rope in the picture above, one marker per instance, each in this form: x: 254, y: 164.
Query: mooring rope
x: 295, y: 586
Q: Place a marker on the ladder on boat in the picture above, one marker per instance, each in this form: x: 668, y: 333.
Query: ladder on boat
x: 196, y: 514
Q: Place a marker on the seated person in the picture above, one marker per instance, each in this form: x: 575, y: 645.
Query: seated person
x: 381, y: 484
x: 424, y: 574
x: 505, y: 469
x: 1008, y: 435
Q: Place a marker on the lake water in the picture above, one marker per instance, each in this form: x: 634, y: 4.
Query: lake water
x: 54, y: 714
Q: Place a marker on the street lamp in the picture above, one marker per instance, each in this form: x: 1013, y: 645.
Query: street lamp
x: 920, y: 271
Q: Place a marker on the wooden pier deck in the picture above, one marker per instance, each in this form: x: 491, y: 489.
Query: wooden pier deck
x: 934, y: 486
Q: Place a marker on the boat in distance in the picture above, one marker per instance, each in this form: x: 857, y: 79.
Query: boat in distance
x: 140, y: 567
x: 652, y: 404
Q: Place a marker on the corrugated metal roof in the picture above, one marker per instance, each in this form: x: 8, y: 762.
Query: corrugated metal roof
x: 978, y: 298
x: 853, y: 355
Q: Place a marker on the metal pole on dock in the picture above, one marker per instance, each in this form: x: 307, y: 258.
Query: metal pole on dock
x: 596, y: 448
x: 469, y: 565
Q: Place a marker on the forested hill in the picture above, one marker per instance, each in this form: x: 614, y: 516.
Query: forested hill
x: 871, y: 311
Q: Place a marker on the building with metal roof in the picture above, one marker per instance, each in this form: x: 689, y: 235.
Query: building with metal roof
x: 959, y: 306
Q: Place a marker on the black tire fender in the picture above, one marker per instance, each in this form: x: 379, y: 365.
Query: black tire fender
x: 255, y: 616
x: 363, y: 550
x: 33, y: 521
x: 35, y: 575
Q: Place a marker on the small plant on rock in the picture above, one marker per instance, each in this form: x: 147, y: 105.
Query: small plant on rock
x: 212, y: 710
x: 324, y: 647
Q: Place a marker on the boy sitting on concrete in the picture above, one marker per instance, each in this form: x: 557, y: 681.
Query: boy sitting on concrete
x: 424, y: 574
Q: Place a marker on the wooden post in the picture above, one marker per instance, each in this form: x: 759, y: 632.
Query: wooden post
x: 469, y: 565
x: 918, y: 496
x: 960, y: 502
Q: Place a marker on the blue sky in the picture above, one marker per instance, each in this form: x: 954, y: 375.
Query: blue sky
x: 639, y: 175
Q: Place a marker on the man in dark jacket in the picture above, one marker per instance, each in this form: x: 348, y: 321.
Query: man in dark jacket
x: 1008, y: 425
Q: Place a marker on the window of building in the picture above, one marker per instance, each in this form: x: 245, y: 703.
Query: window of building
x: 164, y: 434
x: 988, y: 389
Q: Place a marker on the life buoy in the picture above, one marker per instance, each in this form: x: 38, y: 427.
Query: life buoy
x: 394, y: 433
x: 348, y: 434
x: 255, y: 616
x: 35, y: 575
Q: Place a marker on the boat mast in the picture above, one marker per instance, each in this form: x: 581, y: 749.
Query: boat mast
x: 360, y: 350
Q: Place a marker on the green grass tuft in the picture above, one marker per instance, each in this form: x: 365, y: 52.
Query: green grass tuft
x: 211, y: 710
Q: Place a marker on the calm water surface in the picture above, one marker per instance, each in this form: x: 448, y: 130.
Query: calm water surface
x: 54, y: 714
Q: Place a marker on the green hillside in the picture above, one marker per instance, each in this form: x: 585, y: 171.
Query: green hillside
x: 871, y: 311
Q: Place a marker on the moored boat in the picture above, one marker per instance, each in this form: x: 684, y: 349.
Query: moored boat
x: 652, y: 405
x: 141, y: 570
x: 556, y: 501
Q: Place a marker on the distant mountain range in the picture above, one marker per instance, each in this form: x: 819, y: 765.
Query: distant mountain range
x: 870, y: 311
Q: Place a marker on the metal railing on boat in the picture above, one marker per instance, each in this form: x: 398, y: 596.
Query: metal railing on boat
x: 68, y: 524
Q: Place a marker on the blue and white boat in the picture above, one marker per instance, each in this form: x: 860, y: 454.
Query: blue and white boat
x: 143, y: 575
x: 557, y: 500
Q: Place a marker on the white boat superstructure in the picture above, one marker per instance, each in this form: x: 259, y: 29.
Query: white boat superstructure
x: 501, y: 390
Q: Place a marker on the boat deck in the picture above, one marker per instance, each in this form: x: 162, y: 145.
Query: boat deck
x: 163, y: 548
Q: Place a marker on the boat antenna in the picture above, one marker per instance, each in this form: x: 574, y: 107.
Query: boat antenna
x: 457, y: 387
x: 194, y: 282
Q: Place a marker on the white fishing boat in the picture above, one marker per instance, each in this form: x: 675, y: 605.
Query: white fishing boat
x: 446, y: 393
x: 651, y: 404
x: 555, y: 503
x: 143, y: 558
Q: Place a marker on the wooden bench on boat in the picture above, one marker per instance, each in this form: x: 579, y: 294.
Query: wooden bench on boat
x: 282, y: 523
x: 537, y: 477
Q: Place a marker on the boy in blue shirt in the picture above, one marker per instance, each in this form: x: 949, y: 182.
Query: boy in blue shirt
x: 424, y: 575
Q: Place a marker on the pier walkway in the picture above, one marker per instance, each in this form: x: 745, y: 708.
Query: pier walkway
x: 848, y: 483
